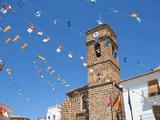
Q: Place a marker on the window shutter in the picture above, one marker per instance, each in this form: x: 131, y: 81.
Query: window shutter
x: 153, y: 86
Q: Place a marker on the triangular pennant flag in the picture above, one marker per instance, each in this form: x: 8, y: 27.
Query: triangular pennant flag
x: 31, y: 28
x: 70, y: 55
x: 1, y: 65
x: 5, y: 9
x: 93, y: 1
x: 16, y: 38
x: 38, y: 13
x: 49, y: 68
x: 46, y: 39
x: 138, y: 19
x: 40, y: 33
x: 6, y: 28
x: 133, y: 15
x: 59, y: 49
x: 84, y: 64
x: 115, y: 11
x: 24, y: 46
x: 41, y: 58
x: 125, y: 60
x: 9, y: 70
x: 55, y: 21
x: 8, y: 40
x: 67, y: 85
x: 68, y: 23
x: 58, y: 78
x: 52, y: 71
x: 82, y: 58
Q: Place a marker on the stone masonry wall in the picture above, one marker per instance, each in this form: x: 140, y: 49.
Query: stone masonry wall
x: 98, y: 101
x: 73, y: 106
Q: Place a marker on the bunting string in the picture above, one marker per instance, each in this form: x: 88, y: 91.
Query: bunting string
x: 59, y: 49
x: 51, y: 71
x: 133, y: 14
x: 18, y: 89
x: 53, y: 20
x: 70, y: 54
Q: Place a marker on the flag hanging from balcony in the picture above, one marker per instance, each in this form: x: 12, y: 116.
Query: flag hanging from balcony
x: 129, y: 103
x: 3, y: 112
x: 117, y: 103
x: 110, y: 102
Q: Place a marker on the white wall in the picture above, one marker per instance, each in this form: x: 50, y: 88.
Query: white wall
x: 140, y: 107
x: 55, y: 110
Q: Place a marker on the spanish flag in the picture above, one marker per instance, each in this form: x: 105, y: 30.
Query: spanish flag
x: 3, y: 112
x: 117, y: 103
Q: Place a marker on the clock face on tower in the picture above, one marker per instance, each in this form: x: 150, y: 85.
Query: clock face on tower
x: 96, y: 34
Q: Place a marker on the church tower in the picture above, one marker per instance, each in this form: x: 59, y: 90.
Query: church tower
x: 102, y: 59
x: 103, y: 71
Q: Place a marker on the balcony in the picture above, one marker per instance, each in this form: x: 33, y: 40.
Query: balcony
x: 149, y: 116
x: 146, y: 94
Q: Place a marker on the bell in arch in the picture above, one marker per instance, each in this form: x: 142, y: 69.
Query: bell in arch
x: 97, y: 48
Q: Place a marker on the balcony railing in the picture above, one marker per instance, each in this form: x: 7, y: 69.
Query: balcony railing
x: 148, y: 116
x: 146, y: 94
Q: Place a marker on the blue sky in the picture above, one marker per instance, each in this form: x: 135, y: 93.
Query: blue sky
x: 137, y: 42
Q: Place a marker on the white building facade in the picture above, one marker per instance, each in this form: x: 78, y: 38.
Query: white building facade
x: 53, y: 113
x: 144, y: 92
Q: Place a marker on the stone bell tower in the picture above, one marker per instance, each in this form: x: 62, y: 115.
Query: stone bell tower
x: 102, y: 59
x: 103, y: 71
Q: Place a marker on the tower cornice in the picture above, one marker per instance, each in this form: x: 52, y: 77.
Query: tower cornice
x: 99, y: 27
x: 102, y: 63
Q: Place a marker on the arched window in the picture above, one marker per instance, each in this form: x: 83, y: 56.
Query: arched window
x: 107, y: 41
x: 84, y: 103
x: 97, y: 49
x: 115, y: 53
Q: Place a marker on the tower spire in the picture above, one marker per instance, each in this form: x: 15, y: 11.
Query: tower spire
x: 99, y: 21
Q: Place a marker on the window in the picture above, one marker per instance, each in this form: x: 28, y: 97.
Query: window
x: 54, y: 117
x: 107, y: 43
x: 97, y: 48
x: 153, y: 87
x: 48, y: 117
x: 115, y: 54
x: 84, y: 102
